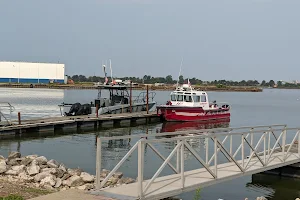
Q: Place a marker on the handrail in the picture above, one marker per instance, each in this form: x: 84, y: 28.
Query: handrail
x: 280, y: 147
x: 4, y: 106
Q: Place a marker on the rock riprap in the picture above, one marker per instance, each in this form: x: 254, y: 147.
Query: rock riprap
x: 37, y: 171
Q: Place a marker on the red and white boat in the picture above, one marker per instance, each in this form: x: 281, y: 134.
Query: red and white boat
x: 187, y: 104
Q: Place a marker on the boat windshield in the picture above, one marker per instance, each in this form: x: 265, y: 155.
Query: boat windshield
x: 173, y: 97
x: 179, y: 98
x: 203, y: 98
x: 196, y: 98
x: 188, y: 98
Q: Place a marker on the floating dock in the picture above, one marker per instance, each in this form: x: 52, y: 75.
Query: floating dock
x: 78, y: 122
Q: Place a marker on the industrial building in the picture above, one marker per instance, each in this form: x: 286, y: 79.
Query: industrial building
x: 25, y: 72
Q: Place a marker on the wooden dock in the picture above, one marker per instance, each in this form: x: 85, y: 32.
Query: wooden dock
x: 75, y: 122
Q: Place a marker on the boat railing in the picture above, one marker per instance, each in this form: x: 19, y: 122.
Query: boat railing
x: 6, y: 110
x: 142, y: 97
x: 220, y: 104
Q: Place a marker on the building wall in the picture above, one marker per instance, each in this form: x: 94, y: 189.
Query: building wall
x: 31, y: 72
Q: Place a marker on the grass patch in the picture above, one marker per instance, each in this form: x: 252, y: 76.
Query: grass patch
x: 36, y: 191
x: 12, y: 197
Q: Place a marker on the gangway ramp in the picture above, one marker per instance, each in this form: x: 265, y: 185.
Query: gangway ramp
x: 229, y: 153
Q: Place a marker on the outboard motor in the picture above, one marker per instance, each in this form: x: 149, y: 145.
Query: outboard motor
x: 74, y: 109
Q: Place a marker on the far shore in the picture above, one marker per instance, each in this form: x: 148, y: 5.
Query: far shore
x: 139, y: 87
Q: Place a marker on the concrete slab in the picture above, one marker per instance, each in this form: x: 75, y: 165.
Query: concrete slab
x: 72, y: 194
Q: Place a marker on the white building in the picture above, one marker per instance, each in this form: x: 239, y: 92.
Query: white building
x: 25, y: 72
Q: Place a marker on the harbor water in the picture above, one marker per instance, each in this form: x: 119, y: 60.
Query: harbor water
x: 78, y: 148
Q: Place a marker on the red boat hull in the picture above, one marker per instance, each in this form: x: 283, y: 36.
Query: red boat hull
x: 176, y: 113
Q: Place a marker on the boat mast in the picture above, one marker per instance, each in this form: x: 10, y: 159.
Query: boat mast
x: 112, y: 79
x: 179, y: 72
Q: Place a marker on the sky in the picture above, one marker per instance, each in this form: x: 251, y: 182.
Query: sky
x: 217, y: 39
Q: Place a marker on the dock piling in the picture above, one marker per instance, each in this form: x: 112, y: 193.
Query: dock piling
x: 147, y: 99
x: 19, y: 118
x: 130, y: 97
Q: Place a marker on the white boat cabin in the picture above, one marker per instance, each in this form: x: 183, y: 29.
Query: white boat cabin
x: 187, y: 96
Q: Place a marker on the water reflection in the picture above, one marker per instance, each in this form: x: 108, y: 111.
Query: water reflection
x: 181, y: 126
x: 275, y: 187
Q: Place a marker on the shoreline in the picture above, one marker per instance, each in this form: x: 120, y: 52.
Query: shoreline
x: 142, y: 87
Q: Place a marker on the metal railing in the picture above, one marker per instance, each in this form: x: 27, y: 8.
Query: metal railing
x: 235, y: 145
x: 142, y: 97
x: 6, y: 110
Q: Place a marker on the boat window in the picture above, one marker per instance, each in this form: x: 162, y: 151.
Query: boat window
x: 203, y: 98
x: 196, y: 98
x: 188, y: 98
x: 179, y: 98
x: 173, y: 97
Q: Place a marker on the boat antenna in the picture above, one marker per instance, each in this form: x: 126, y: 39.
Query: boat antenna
x: 105, y: 74
x: 112, y: 79
x: 179, y: 71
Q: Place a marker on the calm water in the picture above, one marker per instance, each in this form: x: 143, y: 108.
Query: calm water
x: 79, y: 149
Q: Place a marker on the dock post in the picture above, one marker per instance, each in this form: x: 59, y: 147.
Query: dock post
x: 97, y: 107
x: 98, y: 163
x: 130, y: 97
x: 147, y: 99
x: 19, y: 118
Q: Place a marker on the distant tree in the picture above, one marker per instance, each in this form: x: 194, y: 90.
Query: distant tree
x: 279, y: 84
x: 181, y: 80
x: 169, y: 79
x: 263, y: 83
x: 271, y: 83
x: 82, y: 78
x: 75, y: 78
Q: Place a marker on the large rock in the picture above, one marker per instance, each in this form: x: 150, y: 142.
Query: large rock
x: 14, y: 155
x: 1, y: 158
x: 3, y: 166
x: 50, y: 170
x: 86, y: 177
x: 13, y: 162
x: 24, y: 177
x: 86, y: 187
x: 33, y: 169
x: 58, y: 183
x: 26, y: 161
x: 74, y: 172
x: 62, y: 167
x: 41, y: 176
x: 32, y: 157
x: 113, y: 180
x: 65, y: 177
x: 43, y: 166
x: 53, y: 164
x: 60, y: 173
x: 49, y: 180
x: 104, y: 173
x: 41, y: 160
x: 118, y: 175
x: 16, y: 170
x: 74, y: 181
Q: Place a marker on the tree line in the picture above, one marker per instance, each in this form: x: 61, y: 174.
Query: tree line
x: 147, y: 79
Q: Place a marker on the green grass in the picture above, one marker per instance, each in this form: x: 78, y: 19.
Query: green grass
x: 197, y: 194
x: 12, y: 197
x: 36, y: 191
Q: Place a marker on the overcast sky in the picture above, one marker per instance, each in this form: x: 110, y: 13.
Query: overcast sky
x: 218, y: 39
